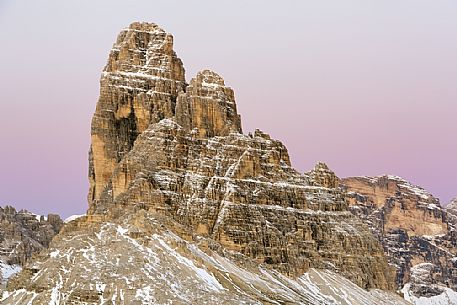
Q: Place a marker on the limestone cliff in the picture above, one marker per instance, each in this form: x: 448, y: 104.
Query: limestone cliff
x: 171, y: 172
x: 139, y: 86
x: 191, y: 162
x: 414, y: 229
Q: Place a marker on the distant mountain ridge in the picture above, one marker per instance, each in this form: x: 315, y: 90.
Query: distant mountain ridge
x: 417, y: 233
x: 23, y: 234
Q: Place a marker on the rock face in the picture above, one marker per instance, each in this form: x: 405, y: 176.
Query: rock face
x: 241, y: 191
x: 321, y: 175
x: 172, y: 173
x: 208, y: 107
x: 414, y: 229
x: 23, y: 234
x: 191, y: 163
x: 139, y: 86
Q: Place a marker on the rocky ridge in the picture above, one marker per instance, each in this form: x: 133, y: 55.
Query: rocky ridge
x: 417, y: 234
x: 171, y: 172
x: 451, y: 210
x: 23, y: 234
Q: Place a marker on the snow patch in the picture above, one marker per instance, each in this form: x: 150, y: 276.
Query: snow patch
x: 8, y: 270
x: 448, y: 297
x: 73, y: 217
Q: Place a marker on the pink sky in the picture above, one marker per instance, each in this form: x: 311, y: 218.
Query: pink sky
x: 367, y: 86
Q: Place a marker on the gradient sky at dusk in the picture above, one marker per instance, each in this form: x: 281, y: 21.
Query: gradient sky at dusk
x: 367, y: 86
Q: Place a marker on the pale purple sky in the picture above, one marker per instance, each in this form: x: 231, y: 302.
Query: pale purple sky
x: 367, y: 86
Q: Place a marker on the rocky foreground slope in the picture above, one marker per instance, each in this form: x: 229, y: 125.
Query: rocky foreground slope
x: 185, y: 209
x: 418, y: 235
x: 144, y: 258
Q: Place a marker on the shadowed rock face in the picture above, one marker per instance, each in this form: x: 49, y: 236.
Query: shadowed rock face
x: 417, y: 234
x: 172, y: 173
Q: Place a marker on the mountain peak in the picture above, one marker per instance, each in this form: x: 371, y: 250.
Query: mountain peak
x: 208, y: 78
x: 143, y: 26
x: 322, y: 175
x: 208, y: 106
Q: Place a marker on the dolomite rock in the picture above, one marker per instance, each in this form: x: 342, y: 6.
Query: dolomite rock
x: 138, y: 86
x: 179, y: 195
x: 190, y: 162
x: 415, y: 231
x: 208, y: 107
x: 321, y: 175
x: 241, y: 191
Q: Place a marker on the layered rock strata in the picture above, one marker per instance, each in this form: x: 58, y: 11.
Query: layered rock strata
x: 412, y: 226
x: 193, y: 164
x: 139, y: 86
x: 171, y: 171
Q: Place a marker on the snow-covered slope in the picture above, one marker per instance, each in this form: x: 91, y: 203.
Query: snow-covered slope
x: 8, y: 270
x: 448, y: 297
x: 73, y: 217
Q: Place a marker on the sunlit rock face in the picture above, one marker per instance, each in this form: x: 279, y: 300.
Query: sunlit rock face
x: 191, y: 162
x: 417, y: 234
x: 139, y: 86
x: 181, y: 201
x: 208, y: 107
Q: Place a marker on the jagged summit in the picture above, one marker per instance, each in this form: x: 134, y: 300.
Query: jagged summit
x: 451, y: 209
x: 322, y: 175
x: 144, y: 82
x: 209, y: 78
x: 145, y: 50
x: 23, y: 234
x: 178, y: 149
x: 208, y: 106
